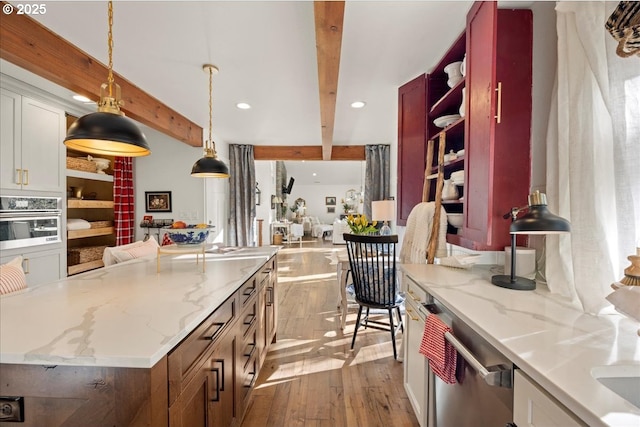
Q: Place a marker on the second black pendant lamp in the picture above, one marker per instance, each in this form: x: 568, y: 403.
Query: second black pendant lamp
x: 108, y: 131
x: 210, y: 166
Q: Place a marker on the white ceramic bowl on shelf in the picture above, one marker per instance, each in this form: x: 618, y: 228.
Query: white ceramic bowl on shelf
x: 455, y: 219
x: 453, y: 80
x: 444, y: 121
x: 453, y: 69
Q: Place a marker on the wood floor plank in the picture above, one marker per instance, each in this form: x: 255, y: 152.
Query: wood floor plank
x: 311, y: 377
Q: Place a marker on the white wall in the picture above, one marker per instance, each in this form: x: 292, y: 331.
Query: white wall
x: 168, y: 168
x: 315, y: 194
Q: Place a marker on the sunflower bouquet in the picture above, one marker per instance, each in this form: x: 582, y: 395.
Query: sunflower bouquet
x: 359, y: 224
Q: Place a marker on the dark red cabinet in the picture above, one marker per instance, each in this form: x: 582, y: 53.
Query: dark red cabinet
x: 495, y: 131
x: 412, y: 134
x: 498, y: 122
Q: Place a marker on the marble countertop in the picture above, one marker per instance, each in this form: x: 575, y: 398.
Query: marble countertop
x: 124, y: 315
x: 552, y: 342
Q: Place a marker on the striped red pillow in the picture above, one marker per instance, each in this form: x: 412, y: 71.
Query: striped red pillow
x: 12, y: 277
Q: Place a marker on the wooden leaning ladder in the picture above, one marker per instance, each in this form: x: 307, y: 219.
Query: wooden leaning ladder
x: 426, y: 190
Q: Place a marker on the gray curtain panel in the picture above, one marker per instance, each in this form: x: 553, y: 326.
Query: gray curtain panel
x: 377, y: 175
x: 242, y: 203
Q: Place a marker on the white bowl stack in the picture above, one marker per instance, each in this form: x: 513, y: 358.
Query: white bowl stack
x: 454, y: 73
x: 458, y: 177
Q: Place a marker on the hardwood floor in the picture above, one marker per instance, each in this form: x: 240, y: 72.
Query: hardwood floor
x: 311, y: 377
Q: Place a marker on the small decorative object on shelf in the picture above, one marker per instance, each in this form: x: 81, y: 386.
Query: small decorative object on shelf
x: 359, y: 224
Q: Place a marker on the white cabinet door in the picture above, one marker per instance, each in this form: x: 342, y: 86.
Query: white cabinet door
x: 534, y: 407
x: 33, y: 153
x: 10, y: 137
x: 415, y: 364
x: 41, y: 267
x: 43, y: 151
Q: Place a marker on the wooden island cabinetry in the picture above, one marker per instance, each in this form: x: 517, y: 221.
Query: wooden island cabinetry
x: 495, y: 131
x: 205, y: 380
x: 212, y: 372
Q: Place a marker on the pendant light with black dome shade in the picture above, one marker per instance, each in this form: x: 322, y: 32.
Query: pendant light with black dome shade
x: 210, y: 166
x: 108, y: 131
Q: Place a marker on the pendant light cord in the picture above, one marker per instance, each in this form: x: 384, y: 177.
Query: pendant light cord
x: 210, y: 141
x: 110, y: 46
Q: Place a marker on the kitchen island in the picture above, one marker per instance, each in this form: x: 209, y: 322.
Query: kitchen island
x: 558, y: 348
x: 126, y: 344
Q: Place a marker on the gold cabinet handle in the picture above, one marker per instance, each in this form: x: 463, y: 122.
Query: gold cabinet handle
x: 409, y: 313
x: 19, y: 176
x: 25, y: 265
x: 26, y: 177
x: 413, y: 297
x: 499, y: 109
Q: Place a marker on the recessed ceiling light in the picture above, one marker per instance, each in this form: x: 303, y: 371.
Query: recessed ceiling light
x: 315, y: 174
x: 357, y: 104
x: 81, y: 98
x: 243, y: 105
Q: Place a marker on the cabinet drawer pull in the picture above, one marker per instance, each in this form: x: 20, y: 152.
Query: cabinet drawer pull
x: 253, y: 377
x: 215, y: 334
x: 413, y: 296
x: 253, y: 349
x: 409, y: 313
x: 26, y: 177
x: 219, y: 383
x: 25, y: 263
x: 269, y: 296
x: 499, y: 108
x: 19, y: 176
x: 249, y: 321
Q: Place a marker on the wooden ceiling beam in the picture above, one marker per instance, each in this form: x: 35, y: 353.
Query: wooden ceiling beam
x: 28, y: 44
x: 329, y: 17
x: 307, y: 152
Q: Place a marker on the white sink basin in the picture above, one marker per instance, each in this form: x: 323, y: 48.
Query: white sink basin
x: 624, y: 380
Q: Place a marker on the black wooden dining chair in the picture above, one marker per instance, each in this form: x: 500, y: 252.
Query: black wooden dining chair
x: 372, y: 260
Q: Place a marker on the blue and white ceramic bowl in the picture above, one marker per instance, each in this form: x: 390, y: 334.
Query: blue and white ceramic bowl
x: 188, y: 236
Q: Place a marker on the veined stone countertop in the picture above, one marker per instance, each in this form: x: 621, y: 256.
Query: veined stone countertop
x: 125, y: 315
x: 553, y: 343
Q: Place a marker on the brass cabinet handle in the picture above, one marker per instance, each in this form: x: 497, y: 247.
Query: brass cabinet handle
x: 19, y: 176
x: 25, y: 263
x: 499, y: 109
x: 412, y: 295
x: 26, y: 177
x: 409, y: 312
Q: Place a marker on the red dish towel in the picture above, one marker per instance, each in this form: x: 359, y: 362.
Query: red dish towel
x: 441, y: 354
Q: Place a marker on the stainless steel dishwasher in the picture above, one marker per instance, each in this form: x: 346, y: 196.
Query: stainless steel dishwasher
x: 484, y: 397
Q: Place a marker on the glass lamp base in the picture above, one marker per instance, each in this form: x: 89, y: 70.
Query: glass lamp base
x: 385, y: 230
x: 517, y: 283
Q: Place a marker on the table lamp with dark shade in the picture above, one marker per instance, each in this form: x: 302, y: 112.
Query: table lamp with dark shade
x: 537, y: 220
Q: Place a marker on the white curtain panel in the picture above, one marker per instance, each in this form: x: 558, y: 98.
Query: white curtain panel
x: 593, y: 157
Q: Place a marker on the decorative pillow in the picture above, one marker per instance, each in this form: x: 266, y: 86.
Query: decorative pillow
x: 146, y: 248
x: 77, y: 224
x: 12, y: 276
x: 107, y: 255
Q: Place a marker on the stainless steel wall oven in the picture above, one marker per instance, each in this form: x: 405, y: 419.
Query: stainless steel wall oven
x: 27, y: 221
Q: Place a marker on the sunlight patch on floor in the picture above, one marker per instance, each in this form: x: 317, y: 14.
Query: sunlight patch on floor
x: 322, y: 276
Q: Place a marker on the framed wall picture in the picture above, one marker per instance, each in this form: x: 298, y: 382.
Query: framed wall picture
x: 158, y: 201
x: 331, y: 209
x: 330, y: 201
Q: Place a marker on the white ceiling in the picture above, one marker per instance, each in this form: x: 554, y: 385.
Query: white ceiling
x: 267, y: 57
